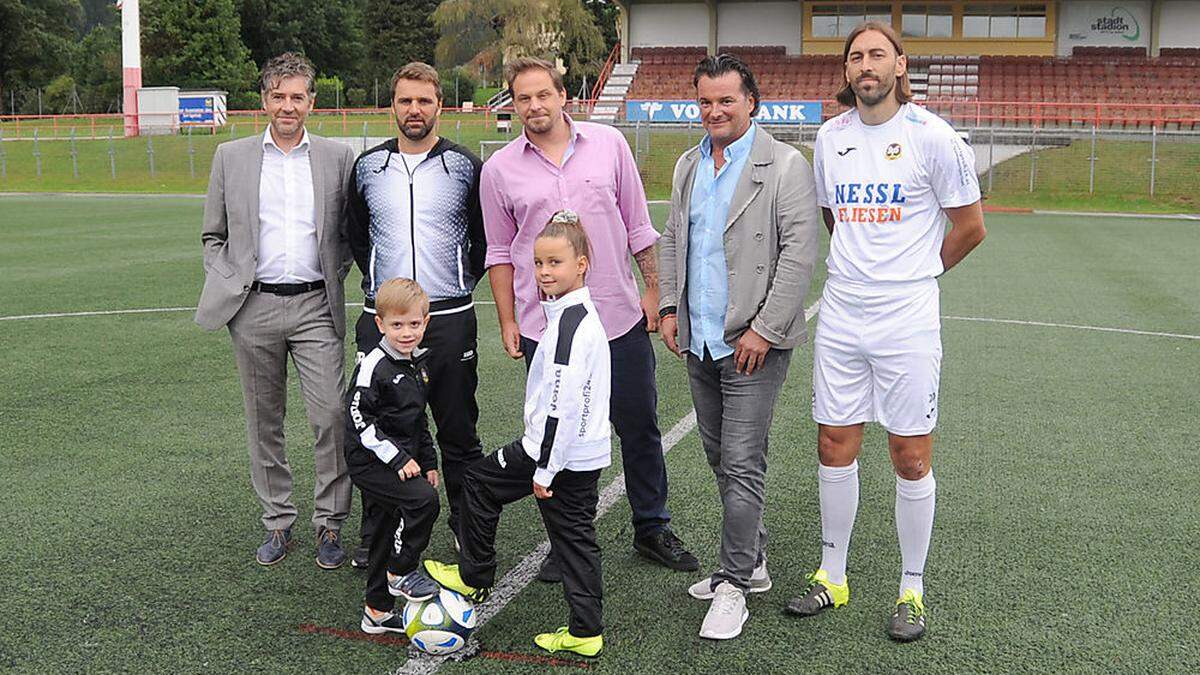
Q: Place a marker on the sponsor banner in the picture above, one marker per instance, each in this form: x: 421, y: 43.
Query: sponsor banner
x: 1106, y: 24
x: 770, y: 112
x: 196, y: 109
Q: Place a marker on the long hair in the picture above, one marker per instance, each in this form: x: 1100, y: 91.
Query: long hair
x: 902, y: 90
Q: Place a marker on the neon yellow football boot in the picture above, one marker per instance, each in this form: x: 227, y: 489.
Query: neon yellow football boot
x: 820, y: 595
x: 562, y: 641
x: 449, y: 577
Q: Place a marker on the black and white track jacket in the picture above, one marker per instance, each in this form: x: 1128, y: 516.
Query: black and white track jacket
x: 420, y: 222
x: 386, y: 410
x: 567, y: 391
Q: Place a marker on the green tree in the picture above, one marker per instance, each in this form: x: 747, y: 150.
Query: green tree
x: 37, y: 40
x: 60, y: 95
x: 547, y: 28
x: 329, y: 33
x: 401, y: 32
x: 195, y: 43
x: 97, y: 68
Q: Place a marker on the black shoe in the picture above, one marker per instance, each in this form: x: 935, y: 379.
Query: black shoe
x: 330, y: 554
x: 664, y: 548
x: 275, y: 547
x: 549, y: 572
x: 361, y: 557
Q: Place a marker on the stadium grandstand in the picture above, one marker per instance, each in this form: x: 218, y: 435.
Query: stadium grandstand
x: 1117, y: 63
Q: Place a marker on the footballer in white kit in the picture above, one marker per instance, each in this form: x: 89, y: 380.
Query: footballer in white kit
x: 890, y: 175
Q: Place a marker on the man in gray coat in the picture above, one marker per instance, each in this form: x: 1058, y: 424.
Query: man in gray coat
x: 737, y: 256
x: 275, y: 255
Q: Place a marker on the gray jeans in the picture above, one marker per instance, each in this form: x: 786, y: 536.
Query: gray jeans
x: 733, y: 413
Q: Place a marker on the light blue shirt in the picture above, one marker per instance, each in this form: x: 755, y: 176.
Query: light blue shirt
x: 707, y: 283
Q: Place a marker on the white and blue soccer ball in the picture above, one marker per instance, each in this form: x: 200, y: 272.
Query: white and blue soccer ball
x: 440, y: 625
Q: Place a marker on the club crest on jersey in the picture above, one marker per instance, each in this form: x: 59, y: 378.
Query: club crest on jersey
x: 892, y: 151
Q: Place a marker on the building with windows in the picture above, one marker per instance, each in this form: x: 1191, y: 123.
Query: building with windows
x: 1050, y: 28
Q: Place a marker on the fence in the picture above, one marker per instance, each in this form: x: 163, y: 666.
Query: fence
x: 1150, y: 169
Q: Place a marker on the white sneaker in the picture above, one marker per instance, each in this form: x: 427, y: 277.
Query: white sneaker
x: 760, y: 582
x: 727, y: 614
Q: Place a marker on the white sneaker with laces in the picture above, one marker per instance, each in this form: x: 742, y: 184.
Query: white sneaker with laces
x: 727, y: 614
x: 760, y: 582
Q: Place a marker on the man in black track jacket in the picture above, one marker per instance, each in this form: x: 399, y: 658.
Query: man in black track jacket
x: 415, y: 214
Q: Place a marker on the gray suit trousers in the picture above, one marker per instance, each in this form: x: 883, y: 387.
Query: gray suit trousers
x: 733, y: 413
x: 265, y: 331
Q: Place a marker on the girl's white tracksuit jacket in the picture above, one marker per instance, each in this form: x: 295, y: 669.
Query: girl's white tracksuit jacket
x: 567, y: 391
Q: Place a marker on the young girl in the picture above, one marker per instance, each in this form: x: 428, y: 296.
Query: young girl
x: 559, y: 458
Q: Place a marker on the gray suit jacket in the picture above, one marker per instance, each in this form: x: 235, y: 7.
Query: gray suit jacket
x: 771, y: 239
x: 231, y: 227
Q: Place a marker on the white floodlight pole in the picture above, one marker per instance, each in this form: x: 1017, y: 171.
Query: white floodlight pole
x: 131, y: 61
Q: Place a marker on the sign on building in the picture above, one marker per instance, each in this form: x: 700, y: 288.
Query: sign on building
x: 769, y: 112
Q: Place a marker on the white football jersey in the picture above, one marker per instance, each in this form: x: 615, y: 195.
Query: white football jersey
x: 886, y: 186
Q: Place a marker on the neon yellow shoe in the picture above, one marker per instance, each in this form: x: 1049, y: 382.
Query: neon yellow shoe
x: 820, y: 595
x: 562, y: 641
x: 908, y: 618
x: 448, y: 577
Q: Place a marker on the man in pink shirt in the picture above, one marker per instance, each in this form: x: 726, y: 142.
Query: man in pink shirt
x: 557, y: 164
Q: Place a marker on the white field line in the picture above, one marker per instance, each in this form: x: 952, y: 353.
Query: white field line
x: 515, y: 581
x: 809, y: 313
x: 1048, y: 324
x: 149, y: 310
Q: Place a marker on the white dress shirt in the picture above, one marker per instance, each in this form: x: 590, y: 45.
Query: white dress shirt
x: 287, y: 238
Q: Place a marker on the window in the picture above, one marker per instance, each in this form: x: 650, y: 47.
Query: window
x: 926, y: 20
x: 1004, y: 20
x: 837, y: 19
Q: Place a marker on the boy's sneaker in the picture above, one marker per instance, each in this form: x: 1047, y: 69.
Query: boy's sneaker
x: 727, y: 614
x: 275, y: 547
x: 392, y: 622
x: 760, y: 582
x: 330, y: 554
x: 561, y: 640
x: 449, y: 577
x: 414, y: 586
x: 908, y: 618
x: 820, y: 595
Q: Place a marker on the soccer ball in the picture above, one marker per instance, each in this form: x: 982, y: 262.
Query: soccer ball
x: 440, y: 625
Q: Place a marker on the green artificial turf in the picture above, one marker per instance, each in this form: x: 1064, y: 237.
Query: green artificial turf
x: 1066, y: 527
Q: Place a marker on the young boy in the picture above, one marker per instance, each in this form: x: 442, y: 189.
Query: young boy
x: 565, y: 445
x: 390, y: 453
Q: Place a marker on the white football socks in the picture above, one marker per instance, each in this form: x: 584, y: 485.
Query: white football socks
x: 914, y: 525
x: 838, y: 490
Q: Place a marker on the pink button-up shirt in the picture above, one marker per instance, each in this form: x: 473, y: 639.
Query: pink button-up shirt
x: 520, y: 189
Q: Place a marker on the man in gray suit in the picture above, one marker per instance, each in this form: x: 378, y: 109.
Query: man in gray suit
x: 736, y: 258
x: 275, y: 255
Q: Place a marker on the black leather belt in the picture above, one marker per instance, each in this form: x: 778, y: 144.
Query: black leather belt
x: 288, y: 289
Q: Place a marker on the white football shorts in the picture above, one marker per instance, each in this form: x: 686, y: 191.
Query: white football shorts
x: 877, y: 356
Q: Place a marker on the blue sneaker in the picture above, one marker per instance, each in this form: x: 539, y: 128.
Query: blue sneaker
x: 330, y: 554
x: 414, y: 586
x: 275, y: 547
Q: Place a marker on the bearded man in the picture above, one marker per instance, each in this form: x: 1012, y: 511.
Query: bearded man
x: 414, y: 213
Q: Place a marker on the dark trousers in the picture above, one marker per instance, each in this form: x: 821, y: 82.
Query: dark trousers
x: 633, y: 410
x: 413, y: 502
x: 506, y: 476
x: 452, y: 366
